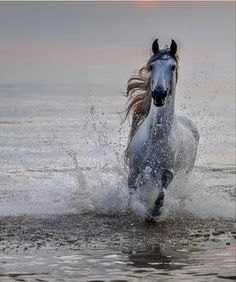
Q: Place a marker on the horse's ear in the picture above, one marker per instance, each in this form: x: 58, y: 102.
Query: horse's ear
x: 173, y: 47
x: 155, y: 46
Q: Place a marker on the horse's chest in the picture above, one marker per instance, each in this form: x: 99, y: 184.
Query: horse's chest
x: 157, y: 153
x: 153, y: 153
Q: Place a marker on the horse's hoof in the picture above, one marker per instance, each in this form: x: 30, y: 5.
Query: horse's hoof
x: 151, y: 217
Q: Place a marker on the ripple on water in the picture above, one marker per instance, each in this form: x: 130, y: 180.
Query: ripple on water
x: 116, y: 248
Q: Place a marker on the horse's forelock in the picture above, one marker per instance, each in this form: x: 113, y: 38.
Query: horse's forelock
x: 161, y: 54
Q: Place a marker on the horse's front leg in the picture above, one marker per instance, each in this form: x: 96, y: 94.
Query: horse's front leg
x: 132, y: 183
x: 166, y: 178
x: 134, y: 200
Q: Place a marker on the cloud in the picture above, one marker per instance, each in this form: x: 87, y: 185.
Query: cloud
x: 69, y: 54
x: 158, y: 4
x: 202, y: 55
x: 148, y: 4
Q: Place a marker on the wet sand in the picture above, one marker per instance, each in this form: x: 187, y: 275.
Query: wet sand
x: 94, y: 247
x: 98, y: 231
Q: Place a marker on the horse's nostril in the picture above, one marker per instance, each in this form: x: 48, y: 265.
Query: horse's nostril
x: 159, y: 93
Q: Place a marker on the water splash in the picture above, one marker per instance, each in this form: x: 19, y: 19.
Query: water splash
x: 88, y: 175
x: 100, y: 172
x: 106, y: 181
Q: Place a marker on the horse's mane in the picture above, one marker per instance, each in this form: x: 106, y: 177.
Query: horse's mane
x: 139, y: 98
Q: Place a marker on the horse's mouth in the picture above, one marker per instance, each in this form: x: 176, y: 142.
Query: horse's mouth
x: 159, y: 102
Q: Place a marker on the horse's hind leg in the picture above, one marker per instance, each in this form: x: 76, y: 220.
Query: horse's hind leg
x: 166, y: 178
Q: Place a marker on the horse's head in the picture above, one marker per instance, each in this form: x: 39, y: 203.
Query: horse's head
x: 163, y: 67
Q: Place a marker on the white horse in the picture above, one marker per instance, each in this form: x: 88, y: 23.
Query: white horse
x: 160, y: 142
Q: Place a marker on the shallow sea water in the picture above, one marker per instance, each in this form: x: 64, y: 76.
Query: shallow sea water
x: 64, y: 212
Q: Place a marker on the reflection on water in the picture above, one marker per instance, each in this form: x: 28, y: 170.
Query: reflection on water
x: 109, y: 265
x: 158, y: 258
x: 115, y: 248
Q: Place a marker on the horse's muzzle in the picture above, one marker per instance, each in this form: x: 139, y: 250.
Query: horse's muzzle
x: 159, y: 102
x: 159, y: 98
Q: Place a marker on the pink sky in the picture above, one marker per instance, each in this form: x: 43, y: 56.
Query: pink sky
x: 39, y: 38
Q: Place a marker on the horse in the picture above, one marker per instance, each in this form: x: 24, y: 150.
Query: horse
x: 160, y: 143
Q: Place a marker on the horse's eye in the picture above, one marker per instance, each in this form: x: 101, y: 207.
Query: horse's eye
x: 172, y: 68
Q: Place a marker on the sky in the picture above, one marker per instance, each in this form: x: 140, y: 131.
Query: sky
x: 104, y: 42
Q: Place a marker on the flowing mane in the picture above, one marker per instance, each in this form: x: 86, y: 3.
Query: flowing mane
x: 139, y: 96
x: 139, y: 100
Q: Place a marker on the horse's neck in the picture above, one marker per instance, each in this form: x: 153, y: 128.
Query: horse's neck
x: 160, y: 119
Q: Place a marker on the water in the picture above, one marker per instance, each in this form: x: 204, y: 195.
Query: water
x: 64, y: 211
